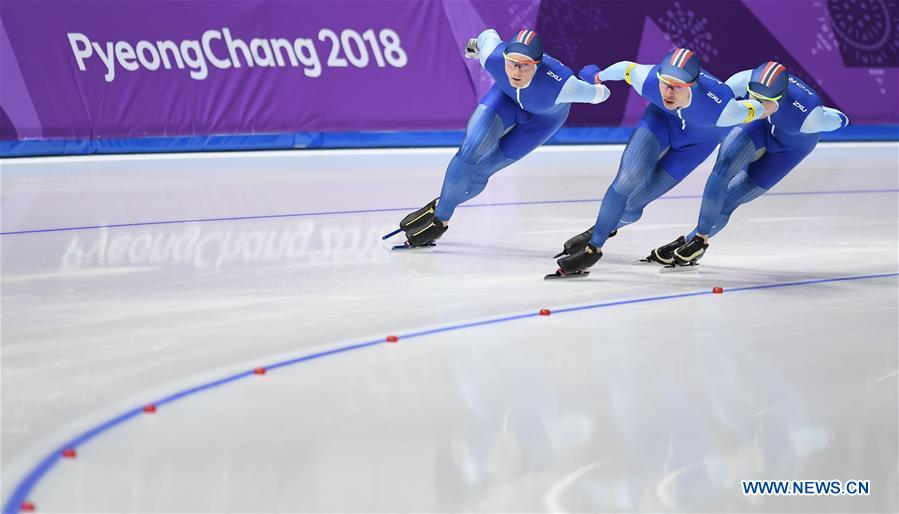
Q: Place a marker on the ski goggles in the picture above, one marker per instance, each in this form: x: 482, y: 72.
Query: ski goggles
x: 762, y: 97
x: 673, y: 82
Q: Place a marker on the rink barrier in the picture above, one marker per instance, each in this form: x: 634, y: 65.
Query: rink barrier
x: 333, y: 140
x: 22, y: 492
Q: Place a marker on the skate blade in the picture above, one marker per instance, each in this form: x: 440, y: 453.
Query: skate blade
x: 559, y: 275
x: 644, y: 262
x: 677, y: 268
x: 407, y: 246
x: 388, y: 236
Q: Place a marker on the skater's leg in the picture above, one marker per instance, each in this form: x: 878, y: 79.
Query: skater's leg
x: 524, y: 138
x: 494, y: 115
x: 638, y: 163
x: 625, y: 200
x: 777, y: 164
x: 760, y: 176
x: 683, y: 160
x: 485, y: 168
x: 660, y: 183
x: 481, y: 139
x: 736, y: 153
x: 742, y: 189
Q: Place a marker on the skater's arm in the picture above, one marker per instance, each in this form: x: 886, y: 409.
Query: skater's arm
x: 630, y: 72
x: 578, y: 91
x: 739, y: 83
x: 823, y: 119
x: 741, y: 111
x: 487, y: 43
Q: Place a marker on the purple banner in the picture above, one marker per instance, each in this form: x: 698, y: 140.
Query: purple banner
x: 102, y: 70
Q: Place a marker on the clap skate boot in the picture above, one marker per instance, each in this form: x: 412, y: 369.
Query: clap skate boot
x: 419, y: 218
x: 575, y: 265
x: 414, y: 221
x: 689, y: 253
x: 665, y: 254
x: 421, y: 236
x: 579, y: 242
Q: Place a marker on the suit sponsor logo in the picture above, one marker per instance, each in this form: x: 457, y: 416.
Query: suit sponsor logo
x: 800, y: 85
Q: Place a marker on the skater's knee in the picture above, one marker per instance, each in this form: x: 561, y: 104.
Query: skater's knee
x: 624, y: 185
x: 480, y: 141
x: 730, y: 207
x: 631, y: 215
x: 632, y: 175
x: 732, y: 158
x: 475, y: 186
x: 728, y: 165
x: 469, y: 154
x: 459, y: 170
x: 479, y: 179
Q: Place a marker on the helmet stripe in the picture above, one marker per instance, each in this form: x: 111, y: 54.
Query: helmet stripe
x: 768, y: 72
x: 774, y: 73
x: 521, y: 35
x: 530, y: 37
x: 680, y: 57
x: 675, y: 56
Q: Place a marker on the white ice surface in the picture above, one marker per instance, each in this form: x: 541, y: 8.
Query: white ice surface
x: 660, y: 405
